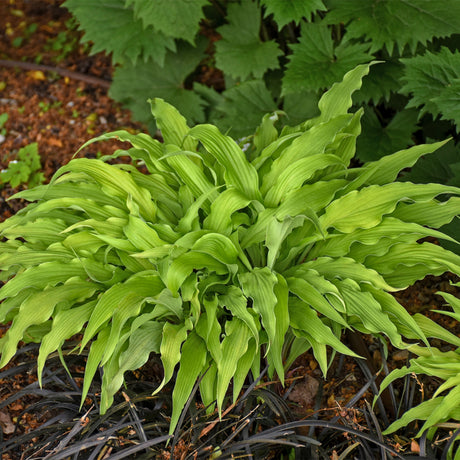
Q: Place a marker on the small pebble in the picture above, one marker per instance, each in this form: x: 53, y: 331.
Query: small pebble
x: 400, y: 355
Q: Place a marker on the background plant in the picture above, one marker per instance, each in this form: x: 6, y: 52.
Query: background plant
x: 25, y: 169
x: 220, y: 257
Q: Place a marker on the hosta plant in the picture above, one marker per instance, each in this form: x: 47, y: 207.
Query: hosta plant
x: 217, y: 256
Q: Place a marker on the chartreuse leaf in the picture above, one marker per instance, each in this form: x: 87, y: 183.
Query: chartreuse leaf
x: 238, y: 171
x: 237, y: 303
x: 285, y: 11
x: 192, y: 364
x: 316, y: 63
x: 134, y: 350
x: 66, y: 323
x: 240, y: 53
x: 234, y: 346
x: 337, y: 100
x: 112, y: 28
x: 38, y: 307
x: 259, y: 285
x: 173, y: 18
x: 418, y: 21
x: 370, y: 204
x: 117, y: 182
x: 173, y: 336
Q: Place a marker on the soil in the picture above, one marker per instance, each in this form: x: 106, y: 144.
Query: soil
x: 55, y: 94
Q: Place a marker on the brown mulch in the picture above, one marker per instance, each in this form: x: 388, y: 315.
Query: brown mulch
x: 62, y: 109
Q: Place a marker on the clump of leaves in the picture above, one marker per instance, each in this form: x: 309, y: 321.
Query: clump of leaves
x: 25, y: 169
x: 438, y: 410
x: 218, y: 258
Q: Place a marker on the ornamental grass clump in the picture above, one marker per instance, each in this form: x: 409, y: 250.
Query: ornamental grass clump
x: 218, y: 256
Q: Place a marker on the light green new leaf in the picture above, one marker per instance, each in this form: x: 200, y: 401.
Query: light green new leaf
x: 238, y: 171
x: 259, y: 285
x: 235, y: 301
x: 234, y: 346
x: 143, y: 341
x: 66, y: 323
x: 38, y: 308
x: 173, y: 336
x: 240, y: 52
x: 365, y: 208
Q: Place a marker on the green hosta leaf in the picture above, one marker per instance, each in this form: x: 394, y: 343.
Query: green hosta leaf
x: 243, y: 106
x: 240, y: 53
x: 144, y: 339
x: 304, y: 318
x: 165, y: 82
x: 222, y: 208
x: 112, y: 28
x: 238, y: 171
x: 134, y: 290
x: 337, y: 100
x: 417, y: 21
x: 259, y: 285
x: 377, y: 140
x: 173, y: 337
x: 316, y: 64
x: 285, y: 11
x: 386, y: 169
x: 371, y: 203
x: 235, y: 301
x: 38, y: 308
x: 295, y: 174
x: 173, y: 18
x: 66, y: 323
x: 119, y: 183
x: 431, y: 80
x: 192, y: 364
x: 311, y: 296
x: 418, y: 261
x: 365, y: 307
x: 234, y: 346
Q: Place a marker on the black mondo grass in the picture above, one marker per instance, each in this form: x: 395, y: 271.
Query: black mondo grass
x: 259, y: 425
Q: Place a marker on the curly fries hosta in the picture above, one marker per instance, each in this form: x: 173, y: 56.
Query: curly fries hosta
x: 216, y: 257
